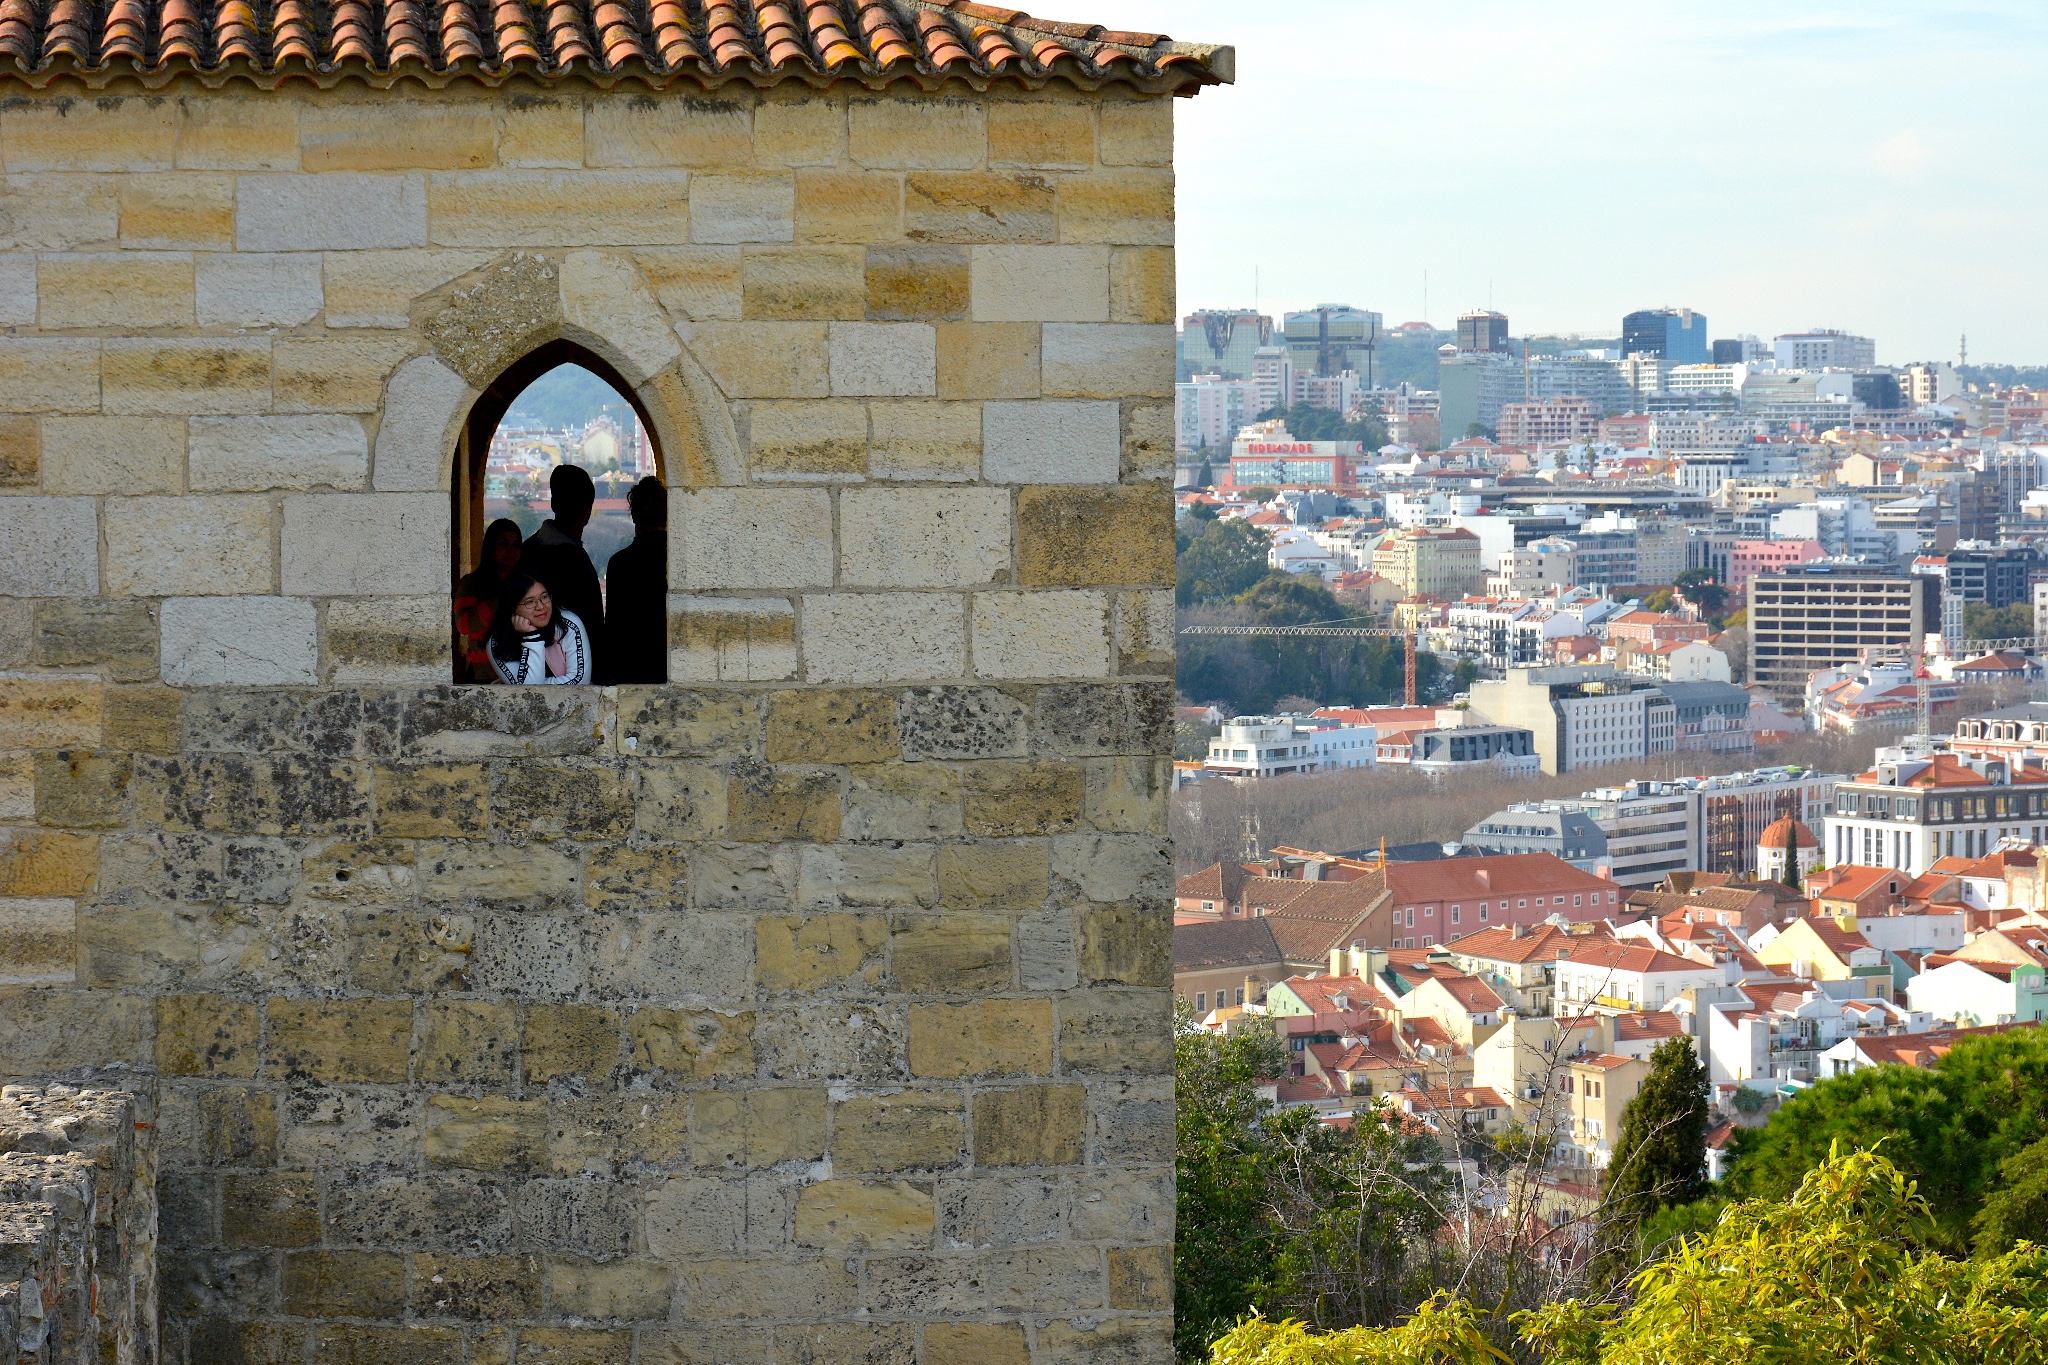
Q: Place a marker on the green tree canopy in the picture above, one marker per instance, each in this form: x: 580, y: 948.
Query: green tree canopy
x: 1252, y: 673
x: 1308, y: 423
x: 1219, y: 561
x: 1660, y: 1155
x: 1982, y: 621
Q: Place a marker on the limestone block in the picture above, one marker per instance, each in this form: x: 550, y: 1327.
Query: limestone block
x: 1080, y: 537
x: 192, y: 546
x: 1092, y: 720
x: 1038, y: 1125
x: 236, y: 135
x: 750, y: 1290
x: 377, y: 288
x: 604, y: 297
x: 341, y: 1040
x: 21, y: 455
x: 994, y: 875
x: 38, y: 941
x: 114, y: 134
x: 114, y: 289
x: 1002, y: 1210
x: 487, y: 1134
x: 81, y: 790
x: 864, y: 207
x: 519, y: 208
x: 1137, y: 132
x: 1041, y: 131
x: 757, y: 1127
x: 620, y: 130
x: 424, y: 406
x: 799, y: 129
x: 742, y: 208
x: 397, y: 134
x: 856, y: 1215
x: 1048, y: 442
x: 245, y: 289
x: 925, y: 441
x: 989, y: 359
x: 58, y: 212
x: 213, y: 374
x: 1108, y: 360
x: 1131, y: 207
x: 1144, y: 632
x: 975, y: 1343
x: 1148, y: 439
x: 338, y: 212
x: 883, y: 637
x: 800, y: 282
x: 978, y: 206
x: 1041, y: 634
x: 495, y: 317
x: 761, y: 359
x: 750, y: 538
x: 902, y: 801
x: 245, y: 641
x: 1116, y: 1032
x: 18, y: 289
x: 987, y: 1037
x: 388, y: 640
x: 113, y: 455
x: 916, y: 132
x: 48, y: 375
x: 808, y: 441
x: 1141, y: 1278
x: 731, y: 639
x: 178, y: 212
x: 358, y: 544
x: 1141, y: 284
x: 1039, y: 283
x: 923, y: 537
x: 961, y: 722
x: 345, y: 374
x: 906, y: 1130
x: 50, y: 1030
x: 44, y: 711
x: 884, y: 358
x: 907, y: 283
x: 247, y: 453
x: 1094, y: 1339
x: 479, y: 1288
x: 933, y: 1286
x: 695, y: 282
x: 17, y: 787
x: 541, y: 131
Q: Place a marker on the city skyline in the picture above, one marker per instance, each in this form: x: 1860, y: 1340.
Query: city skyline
x: 1769, y: 217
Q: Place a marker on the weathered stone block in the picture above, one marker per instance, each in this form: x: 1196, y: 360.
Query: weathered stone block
x: 1047, y: 442
x: 518, y: 208
x: 691, y: 1044
x: 884, y: 131
x: 101, y: 135
x: 329, y: 212
x: 1004, y: 799
x: 44, y: 374
x: 1128, y: 794
x: 1040, y: 634
x: 795, y: 282
x: 127, y: 455
x: 731, y: 639
x: 883, y: 358
x: 559, y: 1041
x: 119, y: 636
x: 38, y: 942
x: 1126, y: 945
x: 81, y: 789
x: 1084, y: 719
x: 1035, y: 1125
x: 742, y: 208
x: 396, y: 135
x: 1148, y: 440
x: 222, y: 641
x: 925, y: 537
x: 49, y: 712
x: 476, y: 1288
x: 190, y: 546
x: 377, y: 288
x: 604, y: 297
x: 766, y: 804
x: 618, y: 1291
x: 488, y: 1134
x: 808, y: 440
x: 552, y: 801
x: 21, y: 452
x: 862, y: 1041
x: 1125, y: 207
x: 700, y: 131
x: 799, y: 131
x: 467, y: 1042
x: 233, y: 454
x: 56, y: 1028
x: 185, y: 375
x: 1040, y: 283
x: 683, y: 801
x: 275, y: 1209
x: 1084, y: 536
x: 929, y: 1286
x: 1054, y: 134
x: 340, y: 1040
x: 337, y: 1284
x: 951, y: 954
x: 977, y: 206
x: 49, y: 547
x: 354, y: 1344
x: 349, y: 544
x: 697, y: 1214
x: 236, y: 135
x: 853, y: 1215
x: 807, y: 953
x: 1136, y: 132
x: 883, y: 637
x: 814, y: 726
x: 1006, y: 876
x: 756, y: 1290
x: 757, y: 1128
x: 1141, y: 284
x: 975, y: 1343
x: 58, y: 212
x: 114, y: 289
x: 862, y: 207
x: 311, y: 374
x: 988, y: 1037
x: 387, y: 640
x: 905, y: 1130
x: 695, y: 282
x: 752, y: 538
x: 1108, y: 360
x: 902, y: 801
x: 245, y: 289
x: 916, y: 283
x: 935, y: 441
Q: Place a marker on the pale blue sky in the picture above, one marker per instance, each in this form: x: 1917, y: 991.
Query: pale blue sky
x: 1877, y: 166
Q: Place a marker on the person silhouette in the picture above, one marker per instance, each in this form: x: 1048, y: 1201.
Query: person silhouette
x: 636, y: 592
x: 476, y: 601
x: 555, y: 555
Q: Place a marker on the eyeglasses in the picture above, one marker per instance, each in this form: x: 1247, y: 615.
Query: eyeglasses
x: 537, y: 598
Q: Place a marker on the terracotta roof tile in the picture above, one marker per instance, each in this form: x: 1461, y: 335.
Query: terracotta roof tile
x: 1500, y: 944
x: 1223, y: 943
x: 655, y: 42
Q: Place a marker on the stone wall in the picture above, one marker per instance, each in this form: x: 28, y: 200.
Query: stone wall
x: 77, y: 1226
x: 812, y: 1008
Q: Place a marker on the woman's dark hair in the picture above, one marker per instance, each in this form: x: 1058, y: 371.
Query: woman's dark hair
x: 504, y: 639
x: 503, y: 526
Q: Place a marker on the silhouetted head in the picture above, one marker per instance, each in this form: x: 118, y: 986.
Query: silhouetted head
x: 502, y: 546
x: 571, y: 493
x: 649, y: 504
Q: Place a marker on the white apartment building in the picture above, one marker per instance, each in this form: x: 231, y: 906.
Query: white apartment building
x: 1549, y: 421
x: 1824, y: 348
x: 1911, y: 810
x: 1652, y: 829
x: 1534, y: 568
x: 1273, y: 374
x: 1209, y: 410
x: 1705, y: 378
x: 1583, y: 716
x: 1601, y: 975
x: 1253, y: 747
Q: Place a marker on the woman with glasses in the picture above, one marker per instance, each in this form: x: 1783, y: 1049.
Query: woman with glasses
x: 532, y: 642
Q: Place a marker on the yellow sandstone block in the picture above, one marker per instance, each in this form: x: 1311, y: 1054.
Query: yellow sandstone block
x: 178, y: 211
x: 114, y: 289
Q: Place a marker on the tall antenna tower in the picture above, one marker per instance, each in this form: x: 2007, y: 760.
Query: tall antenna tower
x: 1963, y: 350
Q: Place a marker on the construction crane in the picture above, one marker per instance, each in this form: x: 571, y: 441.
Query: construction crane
x: 1407, y: 639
